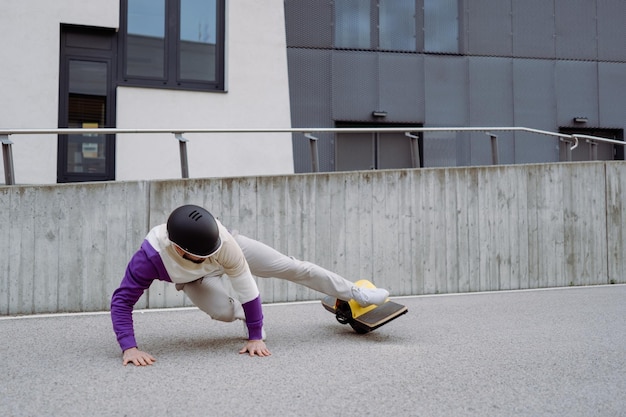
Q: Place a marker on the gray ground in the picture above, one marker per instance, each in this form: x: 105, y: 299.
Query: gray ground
x: 558, y: 352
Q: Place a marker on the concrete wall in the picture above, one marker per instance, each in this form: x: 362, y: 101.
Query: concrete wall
x: 65, y: 247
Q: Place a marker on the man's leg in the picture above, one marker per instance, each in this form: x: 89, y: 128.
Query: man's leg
x: 210, y: 296
x: 266, y: 262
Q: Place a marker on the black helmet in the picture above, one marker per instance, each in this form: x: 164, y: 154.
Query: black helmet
x: 194, y: 230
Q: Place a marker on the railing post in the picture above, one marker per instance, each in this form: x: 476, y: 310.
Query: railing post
x: 568, y: 151
x: 495, y: 159
x: 415, y: 150
x: 593, y: 150
x: 568, y: 147
x: 7, y: 159
x: 572, y: 147
x: 184, y: 162
x: 314, y: 152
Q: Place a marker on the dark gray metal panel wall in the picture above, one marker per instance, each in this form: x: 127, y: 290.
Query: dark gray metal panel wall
x: 447, y: 98
x: 611, y: 30
x: 445, y: 87
x: 576, y: 29
x: 403, y: 101
x: 367, y: 82
x: 309, y: 23
x: 534, y: 107
x: 310, y: 80
x: 354, y: 85
x: 565, y: 29
x: 491, y: 104
x: 533, y: 28
x: 310, y: 90
x: 488, y: 27
x: 612, y: 94
x: 534, y: 93
x: 576, y: 92
x: 532, y: 63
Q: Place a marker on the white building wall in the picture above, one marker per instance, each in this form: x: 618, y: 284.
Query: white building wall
x: 257, y: 96
x: 29, y: 75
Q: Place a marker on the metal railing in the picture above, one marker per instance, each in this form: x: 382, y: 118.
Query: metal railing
x: 571, y: 141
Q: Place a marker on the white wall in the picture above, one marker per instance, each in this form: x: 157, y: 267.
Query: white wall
x: 257, y: 95
x: 29, y: 74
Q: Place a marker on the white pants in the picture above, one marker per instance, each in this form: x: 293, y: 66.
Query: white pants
x: 210, y: 295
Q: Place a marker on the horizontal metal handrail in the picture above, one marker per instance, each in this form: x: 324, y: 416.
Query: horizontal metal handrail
x: 111, y: 130
x: 572, y: 139
x: 598, y: 139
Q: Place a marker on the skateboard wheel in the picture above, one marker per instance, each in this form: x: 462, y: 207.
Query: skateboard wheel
x: 343, y: 312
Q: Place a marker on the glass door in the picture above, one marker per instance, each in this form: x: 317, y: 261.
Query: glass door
x: 86, y: 101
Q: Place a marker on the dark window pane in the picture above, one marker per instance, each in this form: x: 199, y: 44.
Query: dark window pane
x: 86, y: 154
x: 397, y: 25
x: 198, y: 39
x: 352, y: 24
x: 88, y: 78
x: 441, y: 26
x: 87, y: 109
x: 145, y: 41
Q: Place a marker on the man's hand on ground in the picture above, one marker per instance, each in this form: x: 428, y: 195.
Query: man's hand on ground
x: 256, y: 347
x: 137, y: 357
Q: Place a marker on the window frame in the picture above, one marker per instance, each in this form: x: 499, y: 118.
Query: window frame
x: 90, y: 47
x: 172, y: 78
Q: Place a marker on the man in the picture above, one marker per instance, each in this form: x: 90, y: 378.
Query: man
x: 193, y: 250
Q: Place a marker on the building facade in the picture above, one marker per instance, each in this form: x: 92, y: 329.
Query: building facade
x: 555, y: 65
x: 161, y: 64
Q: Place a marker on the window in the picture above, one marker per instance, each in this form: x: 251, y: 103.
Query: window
x: 172, y: 44
x: 352, y: 24
x: 441, y: 26
x: 376, y: 24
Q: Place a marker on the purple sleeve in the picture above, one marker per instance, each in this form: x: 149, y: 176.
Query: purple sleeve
x: 254, y: 318
x: 144, y: 267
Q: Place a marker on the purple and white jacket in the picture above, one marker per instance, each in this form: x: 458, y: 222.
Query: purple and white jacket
x: 157, y: 259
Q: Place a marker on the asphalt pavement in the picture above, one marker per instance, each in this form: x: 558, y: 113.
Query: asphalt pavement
x: 555, y: 352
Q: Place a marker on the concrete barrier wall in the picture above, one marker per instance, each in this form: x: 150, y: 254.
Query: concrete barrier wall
x: 65, y: 247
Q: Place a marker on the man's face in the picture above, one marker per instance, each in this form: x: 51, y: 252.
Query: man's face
x: 188, y: 256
